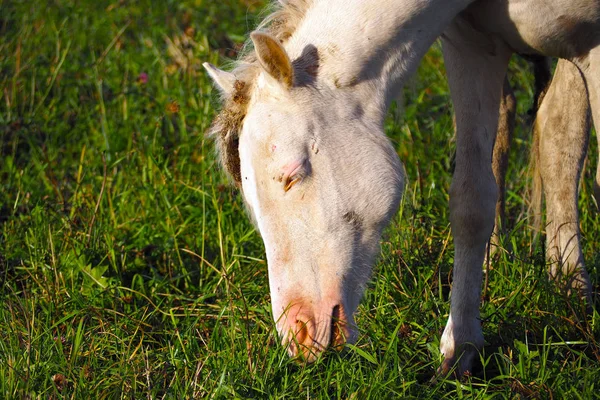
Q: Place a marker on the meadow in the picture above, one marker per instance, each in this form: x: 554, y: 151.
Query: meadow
x: 129, y: 267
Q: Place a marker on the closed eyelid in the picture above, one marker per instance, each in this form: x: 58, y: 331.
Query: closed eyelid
x: 293, y: 173
x: 291, y: 182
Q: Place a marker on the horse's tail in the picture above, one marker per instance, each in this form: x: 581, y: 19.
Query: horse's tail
x: 543, y: 76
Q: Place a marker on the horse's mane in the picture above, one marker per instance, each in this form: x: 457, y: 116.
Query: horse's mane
x: 226, y: 127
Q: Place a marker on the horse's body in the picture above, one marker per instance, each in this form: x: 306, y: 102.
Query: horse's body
x: 301, y: 133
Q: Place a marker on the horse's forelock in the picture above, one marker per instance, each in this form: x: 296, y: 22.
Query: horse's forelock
x: 226, y: 127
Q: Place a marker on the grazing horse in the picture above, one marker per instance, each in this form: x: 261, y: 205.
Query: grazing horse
x: 301, y: 133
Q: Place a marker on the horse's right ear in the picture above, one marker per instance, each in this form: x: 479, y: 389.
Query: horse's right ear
x: 224, y: 80
x: 273, y: 58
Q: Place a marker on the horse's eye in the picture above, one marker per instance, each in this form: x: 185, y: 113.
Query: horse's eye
x: 294, y: 172
x: 291, y: 181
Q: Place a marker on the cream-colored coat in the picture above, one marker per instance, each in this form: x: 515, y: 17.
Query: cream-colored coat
x: 301, y: 133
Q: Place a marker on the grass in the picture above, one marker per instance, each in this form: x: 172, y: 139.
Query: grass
x: 128, y: 267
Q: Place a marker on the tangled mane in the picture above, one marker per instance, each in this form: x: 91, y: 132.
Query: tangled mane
x: 227, y: 125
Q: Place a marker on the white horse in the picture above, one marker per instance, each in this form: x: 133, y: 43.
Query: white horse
x: 301, y: 133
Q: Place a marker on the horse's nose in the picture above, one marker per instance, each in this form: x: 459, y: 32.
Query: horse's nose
x: 339, y: 328
x: 311, y: 336
x: 303, y: 341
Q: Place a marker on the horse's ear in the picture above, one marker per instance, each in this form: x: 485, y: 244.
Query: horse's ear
x: 273, y: 58
x: 223, y: 79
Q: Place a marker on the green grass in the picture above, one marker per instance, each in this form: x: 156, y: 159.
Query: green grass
x: 128, y: 266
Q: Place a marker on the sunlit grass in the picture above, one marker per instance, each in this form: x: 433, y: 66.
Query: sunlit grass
x: 128, y: 265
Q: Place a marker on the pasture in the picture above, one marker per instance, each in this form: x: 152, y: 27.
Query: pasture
x: 129, y: 267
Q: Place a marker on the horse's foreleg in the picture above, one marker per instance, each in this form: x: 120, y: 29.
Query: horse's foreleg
x: 562, y: 127
x: 476, y: 67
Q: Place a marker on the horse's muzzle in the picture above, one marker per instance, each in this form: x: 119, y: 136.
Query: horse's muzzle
x: 308, y: 334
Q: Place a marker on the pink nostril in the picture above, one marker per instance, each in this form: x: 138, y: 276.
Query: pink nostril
x: 301, y: 333
x: 302, y: 342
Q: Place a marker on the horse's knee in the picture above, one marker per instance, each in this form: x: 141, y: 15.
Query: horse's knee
x: 472, y: 208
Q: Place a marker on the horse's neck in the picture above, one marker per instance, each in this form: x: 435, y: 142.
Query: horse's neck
x: 372, y: 44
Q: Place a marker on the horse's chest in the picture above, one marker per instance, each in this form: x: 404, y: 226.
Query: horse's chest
x: 559, y: 28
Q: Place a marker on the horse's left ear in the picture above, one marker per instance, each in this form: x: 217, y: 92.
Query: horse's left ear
x: 273, y: 58
x: 225, y: 81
